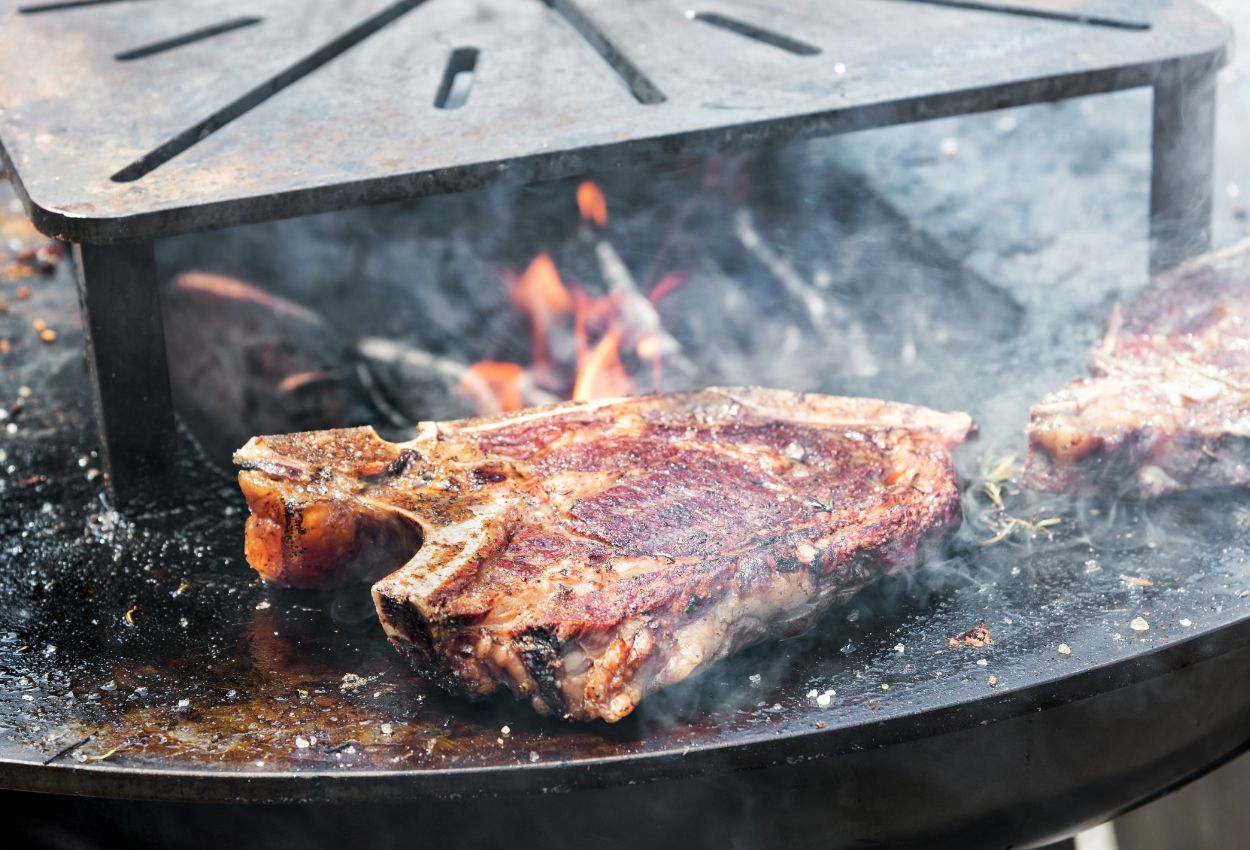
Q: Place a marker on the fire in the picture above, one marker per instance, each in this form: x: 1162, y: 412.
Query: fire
x: 665, y: 287
x: 584, y: 345
x: 591, y: 203
x: 540, y: 293
x: 602, y: 374
x: 493, y: 387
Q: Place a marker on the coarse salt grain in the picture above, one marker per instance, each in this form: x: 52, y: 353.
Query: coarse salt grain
x: 1139, y: 624
x: 1186, y: 622
x: 899, y: 648
x: 301, y: 742
x: 981, y: 662
x: 1064, y: 649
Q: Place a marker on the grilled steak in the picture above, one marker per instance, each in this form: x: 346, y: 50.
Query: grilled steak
x: 1167, y: 405
x: 587, y: 554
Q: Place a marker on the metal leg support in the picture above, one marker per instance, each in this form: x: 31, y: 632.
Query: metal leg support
x: 1184, y: 162
x: 126, y: 355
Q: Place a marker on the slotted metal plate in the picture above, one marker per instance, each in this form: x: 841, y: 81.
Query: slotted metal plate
x: 125, y: 119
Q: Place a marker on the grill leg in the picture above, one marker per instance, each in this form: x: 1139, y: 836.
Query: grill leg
x: 126, y: 356
x: 1184, y: 162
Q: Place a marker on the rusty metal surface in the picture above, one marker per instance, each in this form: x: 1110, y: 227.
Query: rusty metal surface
x: 310, y: 111
x: 144, y: 659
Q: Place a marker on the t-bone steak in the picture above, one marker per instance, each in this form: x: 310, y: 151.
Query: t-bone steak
x: 1167, y: 403
x: 587, y: 554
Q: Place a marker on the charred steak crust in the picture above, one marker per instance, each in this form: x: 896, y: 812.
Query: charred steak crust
x: 1167, y: 403
x: 587, y: 554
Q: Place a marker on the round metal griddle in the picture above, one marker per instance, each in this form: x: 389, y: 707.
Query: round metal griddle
x: 144, y: 660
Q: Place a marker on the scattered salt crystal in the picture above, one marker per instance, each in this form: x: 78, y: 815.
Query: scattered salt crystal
x: 183, y: 621
x: 812, y: 693
x: 351, y: 681
x: 839, y: 68
x: 1139, y: 624
x: 1064, y: 649
x: 533, y: 756
x: 885, y: 686
x: 302, y: 742
x: 1006, y: 124
x: 505, y: 731
x: 184, y: 703
x: 83, y: 461
x: 824, y: 699
x: 949, y: 146
x: 1008, y: 620
x: 1117, y: 636
x: 259, y: 763
x: 899, y: 648
x: 388, y: 729
x: 1091, y: 566
x: 1015, y: 571
x: 231, y: 694
x: 981, y: 662
x: 755, y: 679
x: 262, y: 606
x: 28, y: 698
x: 1186, y: 622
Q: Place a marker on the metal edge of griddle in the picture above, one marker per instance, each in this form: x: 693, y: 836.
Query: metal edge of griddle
x: 758, y: 751
x: 554, y: 164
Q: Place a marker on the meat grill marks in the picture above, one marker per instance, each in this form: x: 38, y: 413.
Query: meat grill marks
x: 585, y: 555
x: 1167, y: 403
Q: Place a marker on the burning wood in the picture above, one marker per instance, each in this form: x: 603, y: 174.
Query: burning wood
x: 604, y: 328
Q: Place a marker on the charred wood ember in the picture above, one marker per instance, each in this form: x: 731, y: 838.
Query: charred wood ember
x: 1167, y: 403
x: 586, y: 555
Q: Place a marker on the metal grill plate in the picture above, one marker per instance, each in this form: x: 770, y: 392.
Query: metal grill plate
x: 312, y: 110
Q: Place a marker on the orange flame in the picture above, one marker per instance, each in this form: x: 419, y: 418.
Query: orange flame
x: 493, y: 387
x: 602, y: 374
x: 665, y: 286
x: 542, y: 296
x: 591, y: 203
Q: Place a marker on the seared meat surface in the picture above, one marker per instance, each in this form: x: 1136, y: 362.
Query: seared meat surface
x: 1167, y: 403
x: 587, y: 554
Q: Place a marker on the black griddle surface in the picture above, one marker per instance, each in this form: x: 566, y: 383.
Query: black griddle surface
x: 134, y: 653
